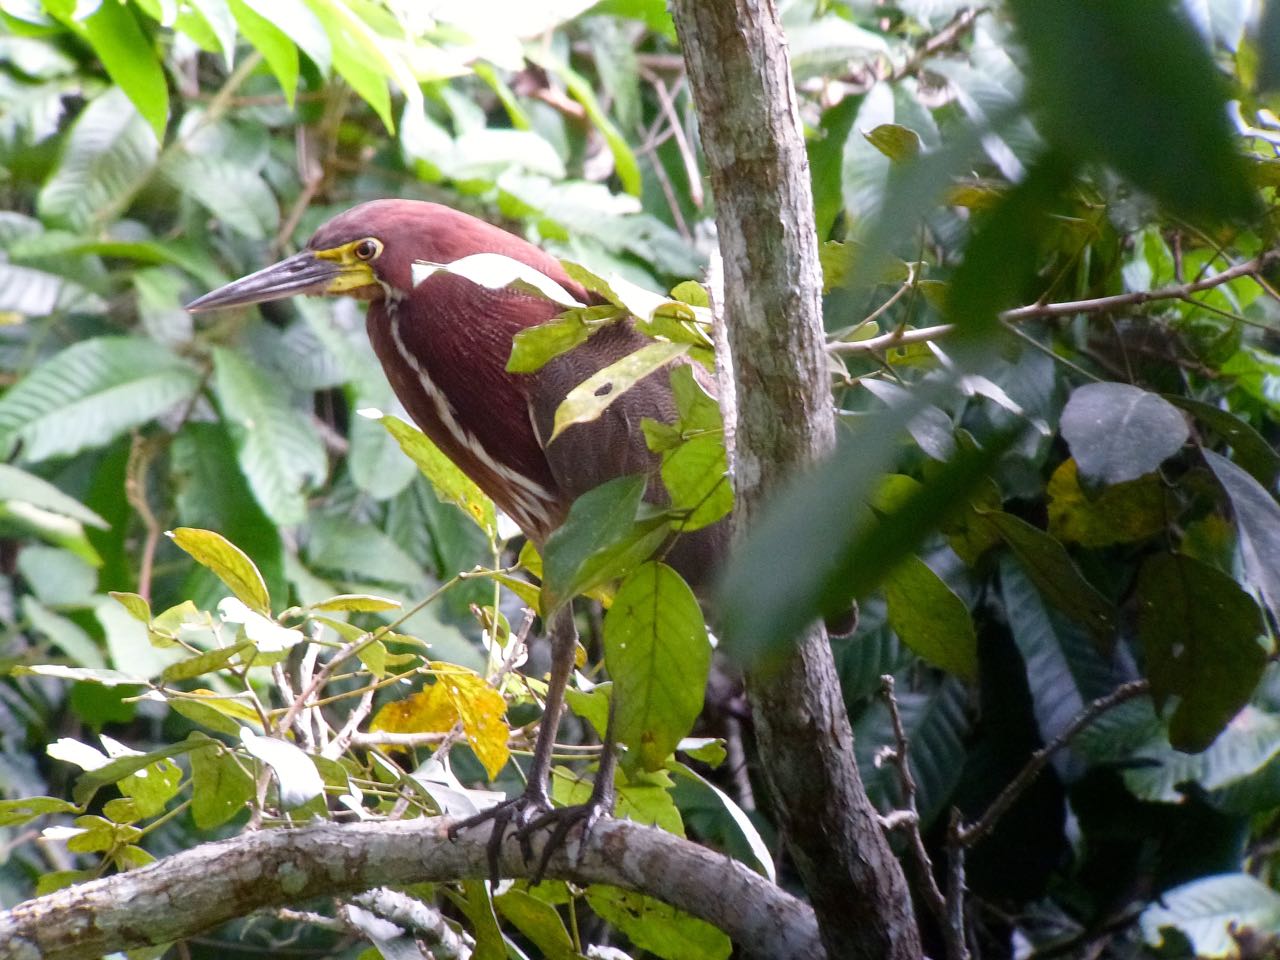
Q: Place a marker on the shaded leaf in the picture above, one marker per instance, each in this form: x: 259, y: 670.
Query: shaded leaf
x: 1199, y: 632
x: 1209, y: 910
x: 660, y: 929
x: 1119, y: 513
x: 1119, y: 432
x: 220, y: 787
x: 600, y: 540
x: 1250, y: 448
x: 930, y: 619
x: 1258, y: 522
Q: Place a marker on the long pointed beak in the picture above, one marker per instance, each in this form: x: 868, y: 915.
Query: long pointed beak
x: 302, y: 273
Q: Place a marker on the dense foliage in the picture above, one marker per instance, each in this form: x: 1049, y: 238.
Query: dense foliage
x: 1048, y: 247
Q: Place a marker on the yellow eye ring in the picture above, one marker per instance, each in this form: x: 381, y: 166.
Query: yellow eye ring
x: 367, y: 249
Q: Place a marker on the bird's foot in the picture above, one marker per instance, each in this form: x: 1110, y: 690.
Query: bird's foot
x: 562, y: 820
x: 517, y: 815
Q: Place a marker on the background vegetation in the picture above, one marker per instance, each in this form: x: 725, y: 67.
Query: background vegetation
x: 1047, y: 242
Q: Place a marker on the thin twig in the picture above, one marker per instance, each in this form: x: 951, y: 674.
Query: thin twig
x: 948, y: 36
x: 925, y: 880
x: 971, y: 834
x: 1182, y: 291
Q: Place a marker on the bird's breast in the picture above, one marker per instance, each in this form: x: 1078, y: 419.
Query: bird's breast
x: 445, y: 356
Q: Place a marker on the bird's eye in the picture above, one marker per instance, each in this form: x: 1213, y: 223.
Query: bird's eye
x: 367, y: 249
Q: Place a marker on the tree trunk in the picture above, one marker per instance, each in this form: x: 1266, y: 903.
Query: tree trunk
x: 741, y: 81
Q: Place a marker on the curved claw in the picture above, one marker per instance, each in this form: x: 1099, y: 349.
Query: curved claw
x: 529, y: 807
x: 564, y: 819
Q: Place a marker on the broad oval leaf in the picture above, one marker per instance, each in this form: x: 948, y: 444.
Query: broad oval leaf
x: 1119, y: 432
x: 1211, y: 910
x: 657, y: 650
x: 1200, y: 633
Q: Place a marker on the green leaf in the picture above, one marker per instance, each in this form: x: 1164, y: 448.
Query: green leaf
x: 108, y: 155
x: 696, y: 475
x: 1119, y: 432
x: 593, y: 396
x: 778, y: 582
x: 17, y: 812
x: 1258, y: 522
x: 203, y: 663
x: 38, y: 293
x: 742, y: 824
x: 660, y: 929
x: 1119, y: 513
x: 1168, y: 132
x: 137, y: 606
x: 152, y: 787
x: 232, y: 193
x: 277, y: 446
x: 1208, y: 911
x: 930, y: 619
x: 274, y: 45
x: 90, y: 781
x: 220, y: 787
x: 1047, y: 563
x: 91, y: 393
x: 450, y: 484
x: 301, y: 25
x: 624, y: 161
x: 534, y: 346
x: 229, y: 564
x: 1200, y: 634
x: 358, y: 55
x: 129, y: 59
x: 1249, y: 448
x: 656, y: 647
x: 600, y: 540
x: 895, y: 141
x: 357, y: 602
x: 539, y: 921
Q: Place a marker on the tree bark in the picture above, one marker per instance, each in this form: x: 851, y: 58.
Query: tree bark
x: 740, y: 77
x: 200, y: 888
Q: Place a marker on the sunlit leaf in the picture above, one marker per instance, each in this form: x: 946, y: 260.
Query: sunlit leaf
x: 657, y: 649
x: 592, y: 397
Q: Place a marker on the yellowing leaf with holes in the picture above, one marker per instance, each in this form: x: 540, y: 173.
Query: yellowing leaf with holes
x: 457, y: 696
x: 592, y: 397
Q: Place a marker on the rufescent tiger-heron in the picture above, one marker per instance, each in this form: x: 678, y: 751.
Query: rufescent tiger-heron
x: 444, y: 344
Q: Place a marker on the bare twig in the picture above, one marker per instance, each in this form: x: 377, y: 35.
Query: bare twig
x: 971, y: 834
x: 1181, y: 291
x: 948, y: 36
x: 925, y: 880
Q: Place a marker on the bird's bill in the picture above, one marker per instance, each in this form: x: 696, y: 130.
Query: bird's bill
x: 308, y: 272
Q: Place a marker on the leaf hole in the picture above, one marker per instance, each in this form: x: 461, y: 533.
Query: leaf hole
x: 604, y: 390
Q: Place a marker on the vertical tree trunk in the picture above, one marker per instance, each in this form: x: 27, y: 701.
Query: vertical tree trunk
x: 741, y: 81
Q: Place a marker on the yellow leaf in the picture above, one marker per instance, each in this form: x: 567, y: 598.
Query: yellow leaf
x: 457, y: 696
x: 1119, y: 513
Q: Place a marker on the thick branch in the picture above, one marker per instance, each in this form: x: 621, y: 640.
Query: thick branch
x: 740, y: 78
x: 200, y: 888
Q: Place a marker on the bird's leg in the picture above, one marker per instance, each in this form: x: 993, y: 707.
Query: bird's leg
x: 598, y: 805
x: 535, y: 801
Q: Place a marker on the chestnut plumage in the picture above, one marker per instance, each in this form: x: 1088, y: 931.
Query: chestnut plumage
x: 444, y: 345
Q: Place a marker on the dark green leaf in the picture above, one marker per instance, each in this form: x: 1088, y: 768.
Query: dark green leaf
x: 1258, y: 522
x: 1200, y: 633
x: 1047, y: 563
x: 539, y: 921
x: 1132, y: 85
x: 779, y: 582
x: 1250, y: 448
x: 202, y: 663
x: 600, y: 540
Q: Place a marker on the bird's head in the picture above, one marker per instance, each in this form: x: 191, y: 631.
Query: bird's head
x: 368, y: 252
